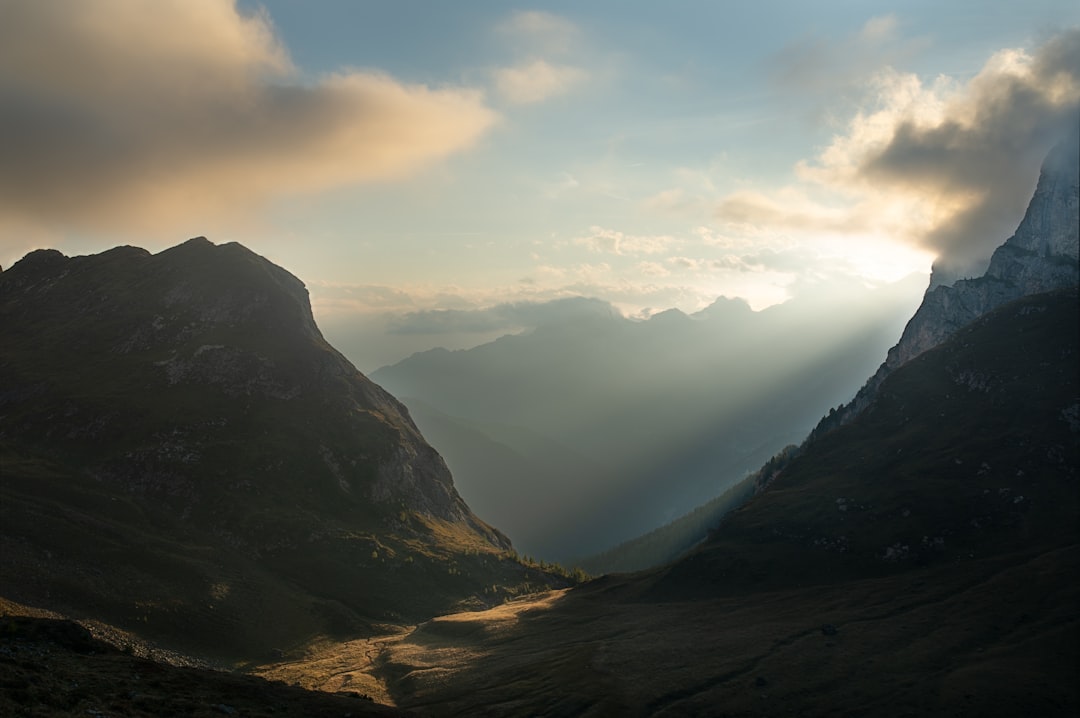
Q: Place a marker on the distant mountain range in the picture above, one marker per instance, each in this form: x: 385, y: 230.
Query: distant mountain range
x: 184, y: 454
x: 595, y: 428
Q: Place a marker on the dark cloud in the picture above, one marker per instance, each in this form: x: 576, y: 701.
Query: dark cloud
x: 988, y: 149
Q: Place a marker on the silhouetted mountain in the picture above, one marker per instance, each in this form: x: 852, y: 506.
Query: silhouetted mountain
x: 184, y: 455
x: 664, y: 414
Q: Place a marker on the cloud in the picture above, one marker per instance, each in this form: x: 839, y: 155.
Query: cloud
x: 678, y: 202
x: 985, y: 154
x: 653, y: 269
x: 133, y: 113
x: 537, y: 35
x: 541, y: 30
x: 790, y: 209
x: 335, y: 298
x: 536, y: 81
x: 943, y: 166
x: 831, y: 67
x: 610, y: 241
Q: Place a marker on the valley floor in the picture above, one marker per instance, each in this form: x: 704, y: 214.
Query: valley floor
x: 985, y: 637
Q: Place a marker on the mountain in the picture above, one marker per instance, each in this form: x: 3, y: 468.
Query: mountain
x: 185, y: 456
x: 968, y: 451
x: 1043, y: 254
x: 919, y: 560
x: 633, y: 423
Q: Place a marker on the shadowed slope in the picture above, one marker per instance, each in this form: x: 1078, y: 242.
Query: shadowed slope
x: 183, y: 454
x: 968, y: 450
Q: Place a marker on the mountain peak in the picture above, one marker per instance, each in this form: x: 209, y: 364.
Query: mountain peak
x: 1041, y: 256
x: 725, y: 307
x: 1043, y: 253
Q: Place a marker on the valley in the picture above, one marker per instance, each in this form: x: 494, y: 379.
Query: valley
x: 989, y: 637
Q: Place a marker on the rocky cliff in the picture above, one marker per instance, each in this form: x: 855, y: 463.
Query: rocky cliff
x: 1043, y: 255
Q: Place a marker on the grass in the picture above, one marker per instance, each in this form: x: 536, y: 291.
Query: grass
x: 991, y: 637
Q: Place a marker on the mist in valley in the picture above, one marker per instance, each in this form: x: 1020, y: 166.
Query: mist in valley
x: 590, y: 428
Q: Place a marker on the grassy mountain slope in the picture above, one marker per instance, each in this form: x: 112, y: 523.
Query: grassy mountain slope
x: 968, y: 450
x: 184, y: 455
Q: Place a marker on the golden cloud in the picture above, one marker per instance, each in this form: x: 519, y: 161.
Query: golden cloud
x: 132, y: 113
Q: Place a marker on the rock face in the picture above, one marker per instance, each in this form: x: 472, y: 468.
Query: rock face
x: 174, y: 430
x: 1041, y: 256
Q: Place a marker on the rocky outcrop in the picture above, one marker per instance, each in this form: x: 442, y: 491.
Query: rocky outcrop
x: 1043, y: 255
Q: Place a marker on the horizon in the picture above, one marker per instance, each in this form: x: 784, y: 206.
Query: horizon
x: 439, y: 163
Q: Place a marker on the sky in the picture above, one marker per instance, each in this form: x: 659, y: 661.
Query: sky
x: 421, y: 163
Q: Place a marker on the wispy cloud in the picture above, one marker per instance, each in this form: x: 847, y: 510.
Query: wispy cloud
x: 653, y: 269
x: 135, y: 113
x: 833, y: 68
x: 610, y: 241
x: 536, y: 81
x: 541, y: 31
x: 535, y: 37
